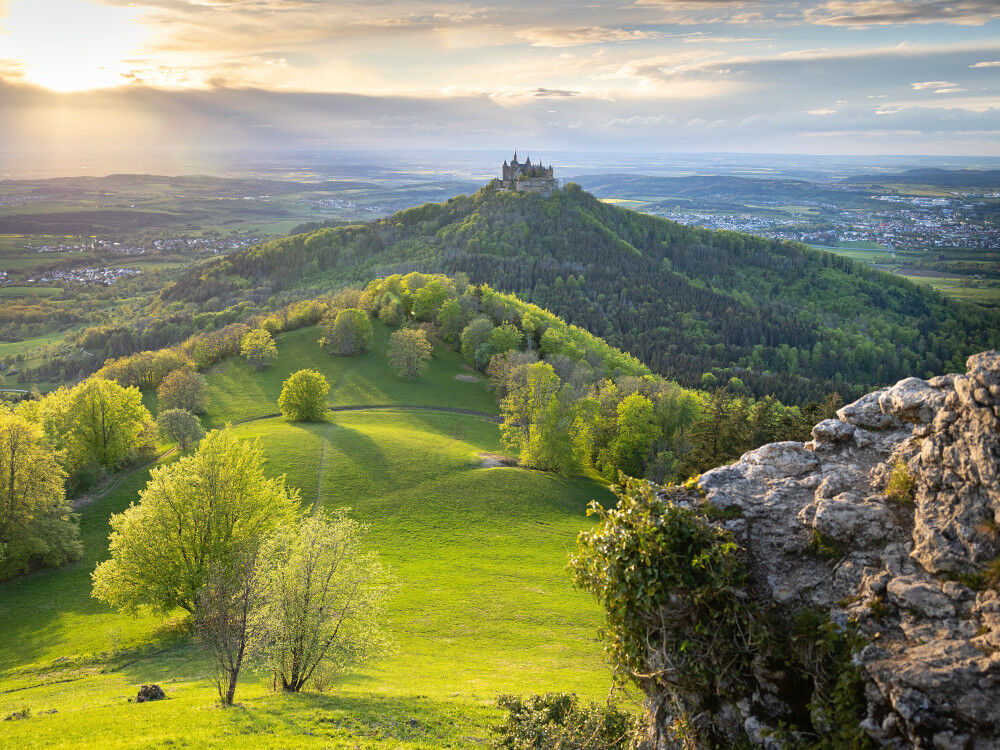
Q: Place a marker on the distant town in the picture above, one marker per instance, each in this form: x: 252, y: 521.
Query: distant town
x: 913, y: 222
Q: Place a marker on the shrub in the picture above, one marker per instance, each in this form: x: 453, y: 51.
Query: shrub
x: 682, y: 625
x: 183, y: 389
x: 322, y: 603
x: 303, y: 396
x: 901, y: 483
x: 558, y: 721
x: 409, y: 352
x: 349, y: 332
x: 670, y: 583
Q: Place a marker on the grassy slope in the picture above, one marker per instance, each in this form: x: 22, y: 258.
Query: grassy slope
x: 239, y: 393
x: 482, y: 605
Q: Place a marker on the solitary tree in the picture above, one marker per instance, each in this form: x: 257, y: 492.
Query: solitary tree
x: 205, y: 509
x: 181, y: 426
x: 183, y: 389
x: 409, y: 352
x: 258, y: 348
x: 35, y: 521
x: 349, y: 333
x: 322, y: 601
x: 303, y: 397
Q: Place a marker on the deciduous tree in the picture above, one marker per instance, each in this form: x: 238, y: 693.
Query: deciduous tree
x: 183, y: 389
x: 322, y: 604
x: 303, y: 397
x: 181, y: 426
x: 205, y: 509
x: 409, y: 352
x: 348, y: 333
x: 36, y: 525
x: 258, y: 348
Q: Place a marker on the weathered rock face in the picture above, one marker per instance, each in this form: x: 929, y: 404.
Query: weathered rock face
x: 910, y: 572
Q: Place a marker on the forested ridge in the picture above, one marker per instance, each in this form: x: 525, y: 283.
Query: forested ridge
x: 788, y: 320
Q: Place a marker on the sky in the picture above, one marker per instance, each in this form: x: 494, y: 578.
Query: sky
x: 744, y: 76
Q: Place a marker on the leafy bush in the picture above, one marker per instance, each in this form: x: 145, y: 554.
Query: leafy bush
x: 303, y: 396
x: 671, y: 583
x: 682, y: 625
x: 558, y: 721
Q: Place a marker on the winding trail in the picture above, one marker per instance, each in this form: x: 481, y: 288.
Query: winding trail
x: 116, y: 481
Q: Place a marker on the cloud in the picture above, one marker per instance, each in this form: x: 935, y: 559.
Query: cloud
x: 580, y: 35
x: 821, y: 112
x: 987, y: 64
x: 639, y: 121
x: 922, y: 85
x: 893, y: 12
x: 554, y: 92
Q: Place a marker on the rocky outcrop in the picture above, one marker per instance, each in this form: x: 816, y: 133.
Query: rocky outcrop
x: 914, y: 571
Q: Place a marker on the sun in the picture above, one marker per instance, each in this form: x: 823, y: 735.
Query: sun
x: 70, y: 45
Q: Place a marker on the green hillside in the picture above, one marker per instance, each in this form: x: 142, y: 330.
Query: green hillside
x: 787, y: 319
x: 238, y: 392
x: 482, y: 602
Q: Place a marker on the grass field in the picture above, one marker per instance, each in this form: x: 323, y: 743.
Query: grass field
x: 954, y: 287
x: 15, y: 292
x: 482, y: 603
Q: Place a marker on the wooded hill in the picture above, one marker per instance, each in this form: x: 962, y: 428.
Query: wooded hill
x: 786, y: 319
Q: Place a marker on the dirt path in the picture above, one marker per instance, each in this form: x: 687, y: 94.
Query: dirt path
x: 115, y: 481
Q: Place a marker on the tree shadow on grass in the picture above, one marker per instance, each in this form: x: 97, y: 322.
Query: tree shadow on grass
x: 364, y: 718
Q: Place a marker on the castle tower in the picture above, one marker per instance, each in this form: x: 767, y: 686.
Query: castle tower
x: 528, y: 178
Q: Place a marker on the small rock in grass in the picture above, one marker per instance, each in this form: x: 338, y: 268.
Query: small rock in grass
x: 150, y: 693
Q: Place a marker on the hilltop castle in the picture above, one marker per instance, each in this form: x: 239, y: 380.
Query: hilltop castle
x: 528, y: 177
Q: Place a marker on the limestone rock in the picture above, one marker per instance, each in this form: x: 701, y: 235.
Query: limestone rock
x: 905, y: 571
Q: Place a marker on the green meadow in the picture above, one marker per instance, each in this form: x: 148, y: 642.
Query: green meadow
x: 481, y: 604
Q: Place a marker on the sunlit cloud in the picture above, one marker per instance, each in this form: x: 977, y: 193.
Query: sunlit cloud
x: 575, y: 36
x: 897, y: 12
x: 667, y: 74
